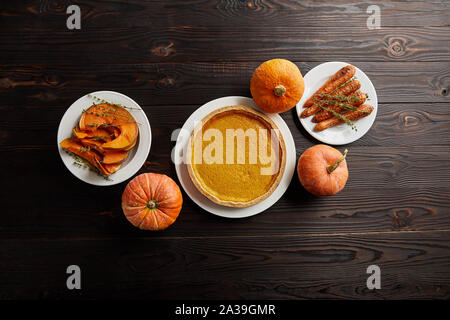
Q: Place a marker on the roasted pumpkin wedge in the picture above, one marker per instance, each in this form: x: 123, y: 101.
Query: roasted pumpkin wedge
x: 115, y: 157
x: 97, y: 134
x: 131, y: 146
x: 74, y: 146
x: 111, y: 168
x: 104, y: 137
x: 108, y: 156
x: 126, y: 139
x: 107, y: 169
x: 94, y: 117
x: 80, y: 134
x: 94, y: 145
x: 104, y: 115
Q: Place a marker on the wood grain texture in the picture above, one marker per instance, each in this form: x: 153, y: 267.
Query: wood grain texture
x: 137, y: 13
x: 297, y: 212
x: 413, y: 265
x: 397, y: 126
x: 400, y: 199
x: 173, y: 56
x: 231, y: 43
x: 197, y: 83
x: 400, y: 184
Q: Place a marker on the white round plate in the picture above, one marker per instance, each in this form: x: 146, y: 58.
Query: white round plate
x: 138, y: 154
x: 340, y: 134
x: 179, y: 156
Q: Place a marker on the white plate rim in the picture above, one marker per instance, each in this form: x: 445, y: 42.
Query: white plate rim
x: 365, y: 82
x: 131, y: 166
x: 200, y: 199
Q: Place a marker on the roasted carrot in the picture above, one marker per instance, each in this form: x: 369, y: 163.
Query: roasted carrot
x: 339, y: 78
x: 362, y: 111
x: 346, y: 89
x: 346, y: 105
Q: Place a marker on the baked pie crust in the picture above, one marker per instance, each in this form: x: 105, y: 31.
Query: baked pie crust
x: 236, y: 184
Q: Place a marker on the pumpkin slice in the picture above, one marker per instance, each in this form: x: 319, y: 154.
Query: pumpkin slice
x: 74, y: 146
x: 107, y: 169
x: 131, y: 146
x: 79, y: 134
x: 104, y: 135
x: 103, y: 115
x: 114, y: 131
x: 115, y: 157
x: 94, y: 145
x: 93, y: 118
x: 128, y: 135
x: 93, y: 133
x: 111, y: 168
x: 109, y: 156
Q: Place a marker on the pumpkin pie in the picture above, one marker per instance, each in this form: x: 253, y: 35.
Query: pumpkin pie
x: 236, y: 156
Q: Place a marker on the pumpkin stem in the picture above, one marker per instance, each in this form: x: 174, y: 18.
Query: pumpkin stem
x: 279, y: 90
x: 332, y: 167
x: 151, y: 204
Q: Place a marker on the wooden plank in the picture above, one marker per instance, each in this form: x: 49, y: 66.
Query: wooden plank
x: 137, y: 13
x: 395, y: 170
x: 197, y: 83
x: 413, y: 265
x: 390, y: 188
x: 217, y: 43
x: 409, y: 125
x: 171, y: 57
x: 400, y: 184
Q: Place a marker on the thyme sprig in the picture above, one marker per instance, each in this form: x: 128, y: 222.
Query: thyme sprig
x: 340, y: 102
x: 102, y: 137
x: 338, y: 98
x: 82, y: 163
x: 340, y: 116
x: 346, y: 82
x: 107, y: 111
x: 347, y: 106
x: 105, y: 125
x: 113, y: 104
x: 78, y: 161
x: 108, y: 115
x: 335, y: 103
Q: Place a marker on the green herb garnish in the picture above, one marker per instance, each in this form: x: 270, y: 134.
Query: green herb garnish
x: 340, y: 116
x: 113, y: 104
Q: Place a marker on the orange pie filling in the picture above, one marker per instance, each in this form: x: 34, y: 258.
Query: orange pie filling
x: 236, y: 156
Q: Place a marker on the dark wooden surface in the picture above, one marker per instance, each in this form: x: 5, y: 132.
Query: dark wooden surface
x: 171, y: 57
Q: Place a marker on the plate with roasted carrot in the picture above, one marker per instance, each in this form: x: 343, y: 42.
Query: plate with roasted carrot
x: 339, y: 104
x: 104, y: 138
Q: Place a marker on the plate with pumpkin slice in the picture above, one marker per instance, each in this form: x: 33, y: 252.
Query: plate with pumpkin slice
x: 339, y: 104
x: 220, y: 157
x: 104, y: 138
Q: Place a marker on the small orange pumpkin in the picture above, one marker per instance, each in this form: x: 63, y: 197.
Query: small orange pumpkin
x: 152, y: 201
x: 322, y: 170
x: 277, y: 85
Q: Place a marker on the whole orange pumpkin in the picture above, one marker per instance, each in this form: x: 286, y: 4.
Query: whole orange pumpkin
x: 277, y: 85
x: 152, y: 201
x: 322, y: 170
